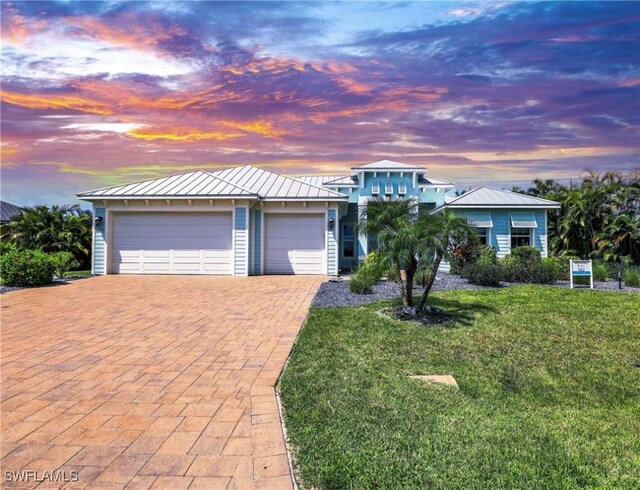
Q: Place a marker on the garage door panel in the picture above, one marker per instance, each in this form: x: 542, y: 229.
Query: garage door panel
x: 172, y: 243
x: 294, y: 244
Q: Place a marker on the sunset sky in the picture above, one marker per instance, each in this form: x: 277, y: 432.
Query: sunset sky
x: 96, y: 94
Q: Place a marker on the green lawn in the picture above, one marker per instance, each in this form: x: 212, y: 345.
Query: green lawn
x: 549, y: 394
x: 78, y: 273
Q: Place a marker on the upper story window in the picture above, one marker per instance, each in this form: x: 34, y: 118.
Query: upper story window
x: 375, y: 188
x: 402, y: 188
x: 388, y: 188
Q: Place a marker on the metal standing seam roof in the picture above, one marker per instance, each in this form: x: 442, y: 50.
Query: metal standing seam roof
x: 190, y: 184
x: 389, y: 165
x: 272, y: 186
x: 492, y: 197
x: 429, y: 181
x: 9, y: 211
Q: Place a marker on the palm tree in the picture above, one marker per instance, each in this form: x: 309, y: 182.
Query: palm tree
x: 55, y: 229
x: 442, y: 233
x: 394, y: 225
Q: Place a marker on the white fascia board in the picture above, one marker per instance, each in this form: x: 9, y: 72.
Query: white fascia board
x: 503, y: 206
x: 164, y: 198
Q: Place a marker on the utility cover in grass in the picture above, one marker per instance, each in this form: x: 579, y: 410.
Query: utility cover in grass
x: 439, y: 379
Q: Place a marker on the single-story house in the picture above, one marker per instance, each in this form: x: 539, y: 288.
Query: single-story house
x: 248, y: 220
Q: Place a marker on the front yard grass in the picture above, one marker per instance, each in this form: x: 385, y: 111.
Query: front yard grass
x: 549, y: 394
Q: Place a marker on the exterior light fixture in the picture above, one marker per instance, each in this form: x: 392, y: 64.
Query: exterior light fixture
x: 331, y: 222
x: 98, y: 220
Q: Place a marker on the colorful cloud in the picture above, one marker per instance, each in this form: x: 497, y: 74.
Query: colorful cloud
x: 97, y: 93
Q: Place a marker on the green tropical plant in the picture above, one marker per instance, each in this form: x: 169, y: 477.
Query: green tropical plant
x: 440, y: 234
x: 63, y: 262
x: 483, y: 272
x: 54, y: 229
x: 366, y: 275
x: 631, y: 277
x: 398, y: 236
x: 26, y: 268
x: 598, y: 218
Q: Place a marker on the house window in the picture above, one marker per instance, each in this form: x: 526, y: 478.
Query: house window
x: 348, y: 241
x: 520, y: 237
x: 483, y: 235
x: 388, y: 188
x: 402, y: 188
x: 375, y: 189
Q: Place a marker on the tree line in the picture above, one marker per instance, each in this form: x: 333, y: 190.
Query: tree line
x: 599, y: 217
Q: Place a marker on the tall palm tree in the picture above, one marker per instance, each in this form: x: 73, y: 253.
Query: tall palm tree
x: 441, y: 233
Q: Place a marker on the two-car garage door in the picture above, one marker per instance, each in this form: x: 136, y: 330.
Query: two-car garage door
x: 172, y: 243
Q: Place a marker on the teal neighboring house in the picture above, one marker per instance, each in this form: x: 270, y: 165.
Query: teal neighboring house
x: 249, y: 221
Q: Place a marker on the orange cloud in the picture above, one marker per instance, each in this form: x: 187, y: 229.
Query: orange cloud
x: 16, y: 28
x: 182, y: 134
x: 55, y: 102
x: 259, y: 127
x: 129, y: 30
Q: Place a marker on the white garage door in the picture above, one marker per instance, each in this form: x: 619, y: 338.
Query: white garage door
x: 172, y: 243
x: 295, y: 244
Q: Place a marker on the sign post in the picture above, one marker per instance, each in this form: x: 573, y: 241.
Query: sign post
x: 580, y: 268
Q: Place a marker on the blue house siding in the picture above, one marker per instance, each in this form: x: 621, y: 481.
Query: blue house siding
x: 500, y: 234
x: 257, y: 240
x: 98, y: 265
x: 332, y: 244
x: 368, y: 181
x: 241, y: 242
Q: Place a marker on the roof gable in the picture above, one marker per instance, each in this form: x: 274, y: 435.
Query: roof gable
x: 389, y: 165
x: 492, y: 197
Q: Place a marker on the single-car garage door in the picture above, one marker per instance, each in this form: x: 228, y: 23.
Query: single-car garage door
x: 172, y: 243
x: 295, y: 244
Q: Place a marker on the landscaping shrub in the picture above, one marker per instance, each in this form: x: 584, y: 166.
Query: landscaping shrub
x: 63, y: 262
x: 26, y: 268
x: 360, y: 285
x: 6, y: 247
x: 600, y: 271
x: 483, y: 272
x: 525, y: 264
x: 469, y: 253
x: 544, y: 272
x: 366, y: 275
x: 631, y: 277
x: 563, y: 265
x: 526, y: 255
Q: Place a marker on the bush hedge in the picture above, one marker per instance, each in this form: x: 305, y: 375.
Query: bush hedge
x: 26, y: 268
x: 483, y: 272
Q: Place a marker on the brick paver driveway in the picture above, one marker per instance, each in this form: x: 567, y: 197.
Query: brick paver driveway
x: 149, y: 382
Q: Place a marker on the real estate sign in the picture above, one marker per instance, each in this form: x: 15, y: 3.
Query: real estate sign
x: 581, y: 268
